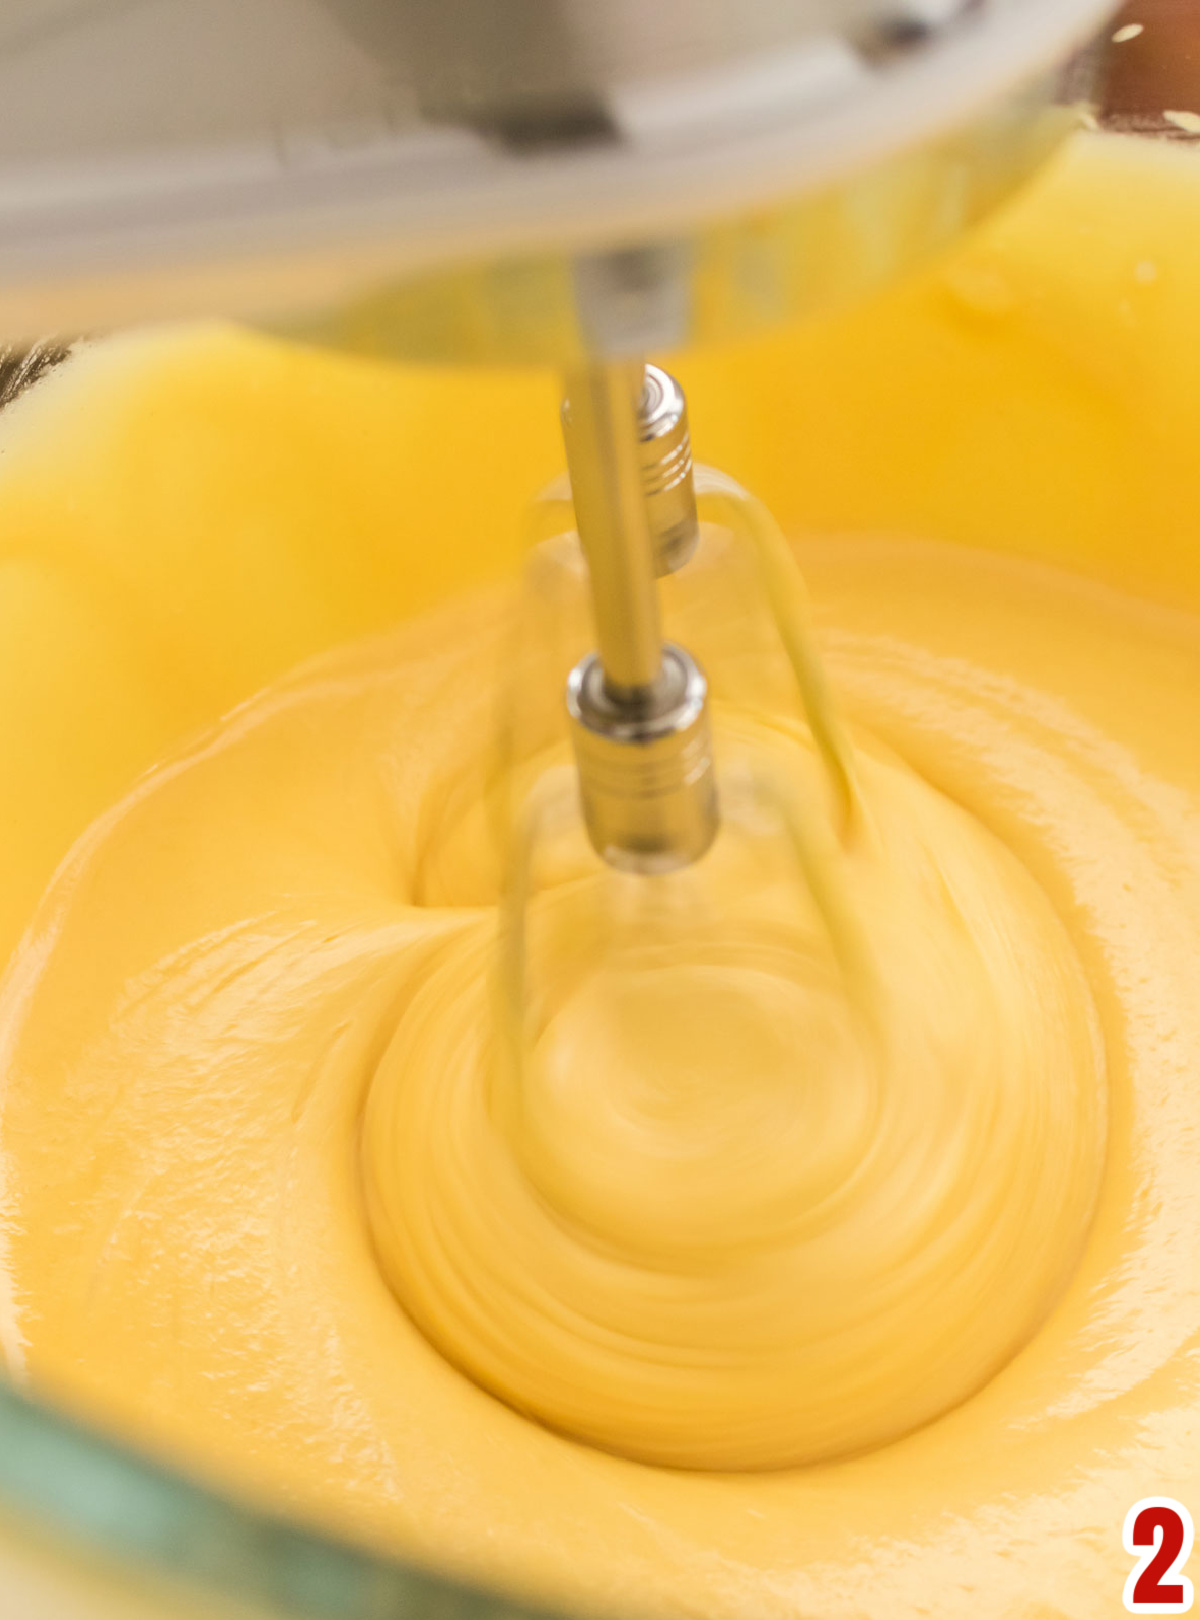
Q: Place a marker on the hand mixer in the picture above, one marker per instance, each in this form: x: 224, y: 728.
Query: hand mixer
x: 555, y: 181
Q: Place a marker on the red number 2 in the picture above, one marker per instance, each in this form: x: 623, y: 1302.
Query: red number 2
x: 1160, y: 1529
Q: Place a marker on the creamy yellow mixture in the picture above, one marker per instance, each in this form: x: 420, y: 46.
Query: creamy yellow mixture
x: 812, y: 1234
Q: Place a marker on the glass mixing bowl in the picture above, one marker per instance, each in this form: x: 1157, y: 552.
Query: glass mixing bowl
x: 91, y: 1530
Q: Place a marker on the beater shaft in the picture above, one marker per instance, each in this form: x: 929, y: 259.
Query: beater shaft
x: 601, y: 433
x: 638, y: 709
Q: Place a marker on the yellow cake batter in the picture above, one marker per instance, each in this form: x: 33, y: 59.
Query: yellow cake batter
x: 769, y: 1182
x: 874, y: 1216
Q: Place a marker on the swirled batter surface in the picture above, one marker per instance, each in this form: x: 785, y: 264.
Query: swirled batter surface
x: 744, y: 1199
x: 838, y: 1252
